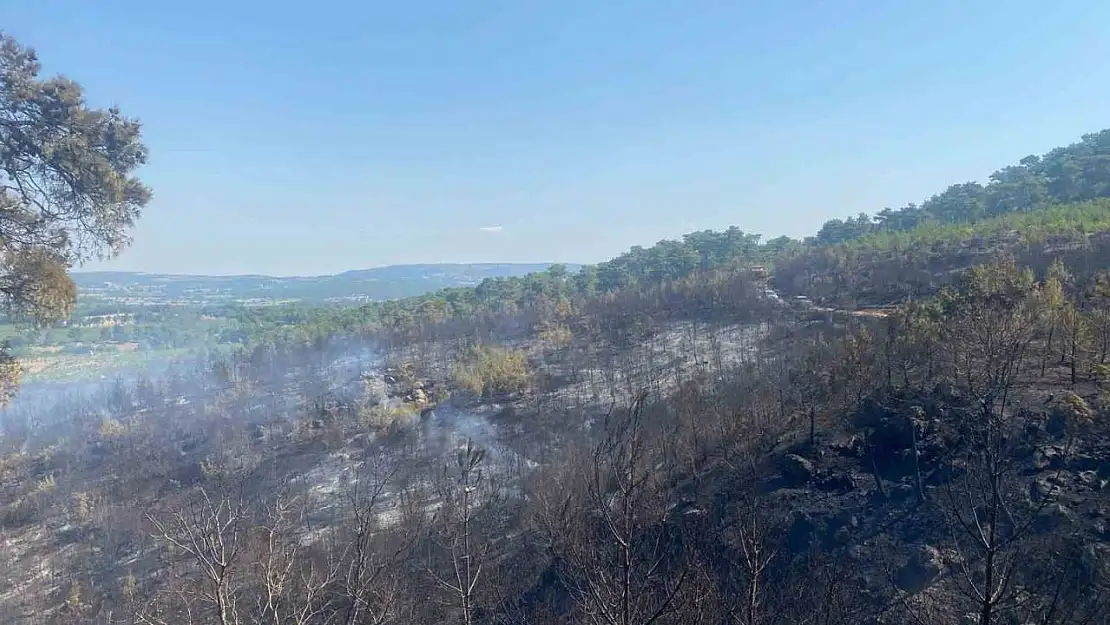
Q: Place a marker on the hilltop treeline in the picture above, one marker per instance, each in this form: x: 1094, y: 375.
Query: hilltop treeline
x: 1049, y: 194
x: 891, y: 267
x: 1075, y: 173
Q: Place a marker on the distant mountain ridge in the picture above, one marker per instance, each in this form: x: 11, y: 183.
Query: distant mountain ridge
x: 359, y: 285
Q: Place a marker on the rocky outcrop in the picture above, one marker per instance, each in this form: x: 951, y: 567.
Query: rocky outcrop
x: 921, y: 568
x: 796, y: 469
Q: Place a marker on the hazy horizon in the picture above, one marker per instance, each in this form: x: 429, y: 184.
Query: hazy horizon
x: 84, y: 271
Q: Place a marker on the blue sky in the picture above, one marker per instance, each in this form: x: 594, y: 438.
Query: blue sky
x: 301, y: 137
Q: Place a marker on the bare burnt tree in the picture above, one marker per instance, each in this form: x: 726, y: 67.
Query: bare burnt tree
x: 754, y: 532
x: 460, y: 552
x: 212, y: 532
x: 990, y: 324
x: 1071, y: 576
x: 291, y: 580
x: 1075, y: 341
x: 374, y: 542
x: 620, y: 555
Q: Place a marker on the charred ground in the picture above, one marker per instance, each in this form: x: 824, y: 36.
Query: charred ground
x: 765, y: 463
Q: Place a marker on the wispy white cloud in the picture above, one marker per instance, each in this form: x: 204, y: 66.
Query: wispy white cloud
x: 491, y: 228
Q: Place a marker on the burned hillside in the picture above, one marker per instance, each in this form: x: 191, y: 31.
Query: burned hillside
x: 867, y: 469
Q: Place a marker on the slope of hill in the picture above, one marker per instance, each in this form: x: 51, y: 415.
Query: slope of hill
x: 363, y: 285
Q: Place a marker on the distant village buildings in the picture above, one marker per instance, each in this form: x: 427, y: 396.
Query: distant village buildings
x: 102, y: 321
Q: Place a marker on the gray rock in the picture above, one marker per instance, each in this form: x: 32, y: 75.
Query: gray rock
x: 902, y: 491
x: 802, y: 533
x: 796, y: 469
x: 1043, y: 488
x: 837, y: 482
x: 1052, y: 518
x: 922, y: 567
x: 845, y: 534
x: 1095, y: 561
x: 858, y: 552
x: 1084, y: 462
x: 845, y: 525
x: 362, y: 439
x: 1091, y: 479
x: 1049, y: 457
x: 850, y: 448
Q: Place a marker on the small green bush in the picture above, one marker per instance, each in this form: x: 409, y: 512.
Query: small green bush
x: 386, y: 417
x: 489, y: 370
